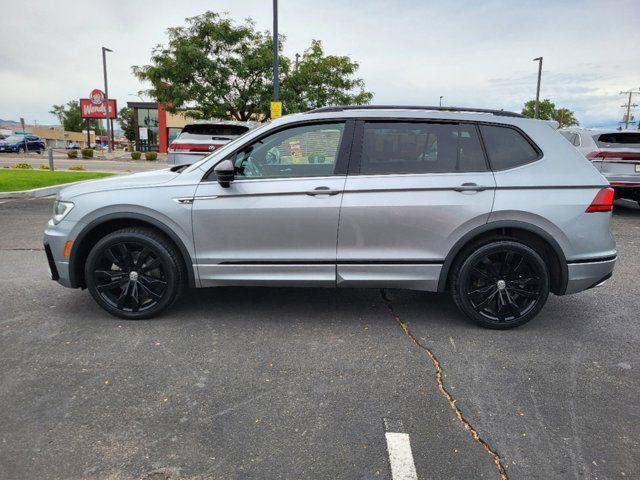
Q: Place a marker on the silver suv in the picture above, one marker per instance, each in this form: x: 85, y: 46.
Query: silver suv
x: 493, y: 207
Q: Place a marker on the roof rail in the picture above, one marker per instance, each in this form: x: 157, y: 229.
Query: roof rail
x: 340, y: 108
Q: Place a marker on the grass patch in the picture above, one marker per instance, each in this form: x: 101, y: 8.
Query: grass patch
x: 14, y: 180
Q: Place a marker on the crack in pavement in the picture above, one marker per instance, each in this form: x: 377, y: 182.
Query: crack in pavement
x: 21, y: 249
x: 443, y: 389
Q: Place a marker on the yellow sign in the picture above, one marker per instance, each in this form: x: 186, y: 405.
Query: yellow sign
x: 276, y: 109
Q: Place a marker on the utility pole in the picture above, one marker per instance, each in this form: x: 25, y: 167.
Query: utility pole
x: 441, y: 97
x: 297, y: 58
x: 537, y: 104
x: 628, y: 105
x: 106, y: 94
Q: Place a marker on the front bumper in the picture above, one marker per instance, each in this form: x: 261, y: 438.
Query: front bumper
x: 584, y: 275
x: 55, y: 237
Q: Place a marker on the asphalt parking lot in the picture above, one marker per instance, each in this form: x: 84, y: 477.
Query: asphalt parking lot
x: 275, y: 383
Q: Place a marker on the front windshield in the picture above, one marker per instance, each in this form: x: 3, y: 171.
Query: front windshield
x: 14, y: 138
x: 226, y: 148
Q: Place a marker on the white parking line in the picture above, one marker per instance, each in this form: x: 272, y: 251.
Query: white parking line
x: 400, y: 456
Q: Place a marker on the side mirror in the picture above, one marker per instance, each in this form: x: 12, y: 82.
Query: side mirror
x: 224, y: 173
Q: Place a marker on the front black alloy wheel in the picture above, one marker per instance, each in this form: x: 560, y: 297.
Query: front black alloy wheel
x: 502, y: 284
x: 133, y: 273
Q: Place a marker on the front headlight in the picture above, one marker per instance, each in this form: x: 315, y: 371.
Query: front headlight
x: 61, y: 210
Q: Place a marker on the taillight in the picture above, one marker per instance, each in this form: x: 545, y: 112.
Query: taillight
x: 193, y: 147
x: 603, y: 201
x: 604, y: 154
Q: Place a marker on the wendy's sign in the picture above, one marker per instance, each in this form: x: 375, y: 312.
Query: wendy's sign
x: 96, y: 107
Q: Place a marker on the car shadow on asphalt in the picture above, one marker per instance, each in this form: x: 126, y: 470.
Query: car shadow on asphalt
x: 314, y: 304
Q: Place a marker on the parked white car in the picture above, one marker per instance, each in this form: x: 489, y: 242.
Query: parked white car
x: 615, y: 153
x: 201, y: 138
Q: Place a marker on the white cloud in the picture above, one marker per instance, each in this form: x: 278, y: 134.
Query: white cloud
x: 474, y: 53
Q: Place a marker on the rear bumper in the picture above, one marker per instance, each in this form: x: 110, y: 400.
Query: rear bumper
x: 588, y: 274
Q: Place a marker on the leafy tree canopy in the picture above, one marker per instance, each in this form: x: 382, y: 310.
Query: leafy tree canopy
x: 70, y: 117
x: 223, y: 69
x: 320, y: 80
x: 547, y: 111
x: 127, y: 123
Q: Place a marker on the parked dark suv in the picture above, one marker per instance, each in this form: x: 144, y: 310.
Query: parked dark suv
x: 22, y: 144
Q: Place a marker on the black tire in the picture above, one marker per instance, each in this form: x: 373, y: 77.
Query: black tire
x: 134, y: 273
x: 500, y: 284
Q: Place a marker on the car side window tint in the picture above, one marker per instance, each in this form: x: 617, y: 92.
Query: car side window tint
x: 418, y: 147
x: 304, y: 151
x: 506, y: 147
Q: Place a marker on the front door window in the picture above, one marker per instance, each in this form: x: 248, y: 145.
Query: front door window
x: 304, y: 151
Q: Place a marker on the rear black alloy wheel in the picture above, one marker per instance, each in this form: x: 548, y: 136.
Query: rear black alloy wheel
x: 502, y: 284
x: 133, y: 273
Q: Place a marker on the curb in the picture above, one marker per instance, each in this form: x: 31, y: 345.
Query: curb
x: 39, y: 192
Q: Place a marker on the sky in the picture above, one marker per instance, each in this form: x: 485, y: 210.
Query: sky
x: 474, y: 53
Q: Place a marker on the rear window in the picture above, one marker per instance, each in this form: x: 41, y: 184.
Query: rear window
x: 206, y: 130
x: 618, y: 139
x: 506, y: 147
x: 398, y: 147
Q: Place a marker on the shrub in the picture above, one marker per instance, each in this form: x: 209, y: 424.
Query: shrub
x: 77, y: 167
x: 22, y: 165
x: 151, y: 156
x: 44, y: 166
x: 135, y: 155
x: 72, y: 153
x: 87, y: 153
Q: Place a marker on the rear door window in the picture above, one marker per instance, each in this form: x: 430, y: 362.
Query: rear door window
x: 507, y: 147
x: 420, y: 147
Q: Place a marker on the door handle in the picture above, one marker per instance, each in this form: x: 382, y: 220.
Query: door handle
x: 322, y: 191
x: 469, y: 187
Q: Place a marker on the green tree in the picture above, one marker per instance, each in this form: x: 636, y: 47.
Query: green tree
x: 126, y: 120
x: 222, y: 69
x: 547, y: 111
x: 71, y: 119
x: 565, y: 118
x: 321, y: 80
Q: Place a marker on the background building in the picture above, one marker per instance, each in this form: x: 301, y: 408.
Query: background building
x: 155, y: 127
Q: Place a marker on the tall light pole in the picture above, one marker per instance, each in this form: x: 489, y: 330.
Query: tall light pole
x: 441, y: 97
x: 276, y: 78
x: 537, y: 104
x: 106, y: 95
x: 276, y: 106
